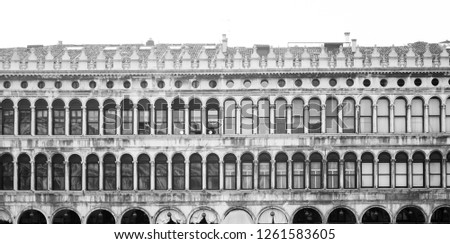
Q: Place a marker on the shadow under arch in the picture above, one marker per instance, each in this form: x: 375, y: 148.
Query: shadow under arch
x: 341, y: 215
x: 307, y: 215
x: 101, y: 216
x: 66, y: 216
x: 135, y: 216
x: 32, y: 216
x: 376, y: 215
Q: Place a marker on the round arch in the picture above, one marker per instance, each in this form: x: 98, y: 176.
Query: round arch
x: 135, y: 216
x: 342, y: 215
x: 376, y: 215
x: 66, y: 216
x: 272, y: 215
x: 101, y: 216
x: 170, y: 215
x: 441, y: 215
x: 307, y: 215
x: 410, y: 215
x: 204, y: 215
x: 238, y: 215
x: 32, y: 216
x: 5, y: 217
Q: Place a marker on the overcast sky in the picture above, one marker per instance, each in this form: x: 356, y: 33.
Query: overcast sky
x: 380, y: 22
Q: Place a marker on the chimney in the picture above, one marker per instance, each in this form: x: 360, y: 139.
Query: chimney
x: 150, y: 42
x: 347, y: 37
x: 353, y: 45
x: 224, y: 43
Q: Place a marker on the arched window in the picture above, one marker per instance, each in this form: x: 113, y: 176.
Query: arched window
x: 410, y: 215
x: 367, y: 170
x: 178, y: 116
x: 178, y: 172
x: 434, y: 116
x: 331, y: 114
x: 161, y: 172
x: 126, y: 172
x: 59, y: 117
x: 400, y: 115
x: 401, y: 170
x: 383, y: 115
x: 280, y: 116
x: 144, y: 117
x: 315, y: 112
x: 298, y: 171
x: 109, y: 172
x: 376, y: 215
x: 127, y: 117
x: 58, y: 173
x: 24, y: 117
x: 263, y: 116
x: 247, y: 171
x: 384, y: 170
x: 247, y: 117
x: 230, y: 117
x: 417, y: 115
x: 24, y: 172
x: 7, y: 117
x: 92, y: 176
x: 435, y: 169
x: 212, y: 172
x: 76, y: 117
x: 264, y: 171
x: 315, y: 171
x: 41, y: 117
x: 348, y: 115
x: 143, y: 172
x: 349, y: 171
x: 230, y: 172
x: 418, y: 170
x: 212, y: 116
x: 6, y: 172
x: 195, y: 116
x: 41, y: 172
x: 298, y: 125
x: 93, y: 117
x: 75, y: 173
x: 333, y: 171
x: 281, y: 171
x: 195, y: 172
x: 110, y: 117
x: 366, y: 115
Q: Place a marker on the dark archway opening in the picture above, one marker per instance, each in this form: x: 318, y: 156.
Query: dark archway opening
x: 307, y: 216
x: 32, y: 217
x: 376, y: 216
x: 441, y: 216
x: 135, y: 216
x: 341, y: 216
x: 101, y: 217
x: 66, y: 216
x: 410, y: 215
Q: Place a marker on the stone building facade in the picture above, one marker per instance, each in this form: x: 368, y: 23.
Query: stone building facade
x: 207, y: 133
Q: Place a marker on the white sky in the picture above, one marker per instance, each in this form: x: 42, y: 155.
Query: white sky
x: 380, y: 22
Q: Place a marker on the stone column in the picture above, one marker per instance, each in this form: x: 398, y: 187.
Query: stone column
x: 119, y: 120
x: 323, y: 124
x: 169, y: 175
x: 118, y: 174
x: 426, y: 116
x: 152, y: 175
x: 341, y: 173
x: 83, y: 175
x: 204, y: 174
x: 135, y: 119
x: 221, y: 117
x: 255, y: 119
x: 289, y: 172
x: 84, y: 121
x: 16, y: 120
x: 272, y: 174
x: 272, y: 118
x: 289, y: 118
x: 67, y: 175
x: 50, y: 174
x: 101, y: 120
x: 203, y: 120
x: 16, y: 176
x: 306, y: 118
x: 33, y: 175
x: 101, y: 176
x: 358, y: 174
x: 444, y: 173
x: 238, y: 174
x: 427, y: 173
x: 238, y: 119
x: 33, y: 120
x: 50, y: 120
x: 375, y: 173
x: 221, y: 174
x: 324, y: 173
x: 393, y: 173
x: 307, y: 170
x: 135, y: 175
x: 152, y: 118
x: 340, y: 119
x: 443, y: 116
x: 255, y: 174
x: 357, y: 107
x: 410, y: 173
x: 408, y: 118
x: 67, y: 120
x: 186, y: 119
x: 374, y: 118
x: 391, y: 118
x: 186, y: 174
x: 169, y: 119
